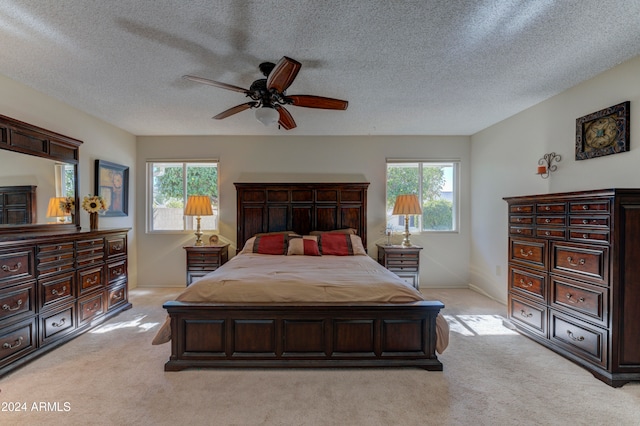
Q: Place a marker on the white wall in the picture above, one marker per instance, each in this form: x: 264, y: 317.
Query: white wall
x: 504, y: 160
x: 444, y: 259
x: 101, y: 141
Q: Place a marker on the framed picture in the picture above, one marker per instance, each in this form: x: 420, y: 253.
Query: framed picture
x: 112, y: 183
x: 603, y: 132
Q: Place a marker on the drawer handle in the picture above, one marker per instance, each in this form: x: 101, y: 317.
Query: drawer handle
x: 525, y: 284
x: 585, y: 207
x: 91, y: 280
x: 118, y: 272
x: 519, y: 209
x: 585, y: 236
x: 59, y: 324
x: 16, y: 268
x: 585, y: 221
x: 571, y: 299
x: 518, y: 220
x: 17, y: 343
x: 574, y: 338
x: 6, y: 307
x: 117, y: 295
x: 547, y: 221
x: 519, y: 231
x: 93, y: 308
x: 526, y: 254
x: 117, y: 247
x: 579, y: 263
x: 55, y: 292
x: 547, y: 208
x: 547, y: 233
x: 524, y: 314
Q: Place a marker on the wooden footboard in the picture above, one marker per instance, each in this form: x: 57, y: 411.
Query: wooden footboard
x: 207, y: 335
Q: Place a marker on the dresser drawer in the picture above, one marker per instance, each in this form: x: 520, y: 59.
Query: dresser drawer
x: 89, y: 280
x: 528, y: 314
x: 57, y: 289
x: 520, y: 230
x: 51, y: 249
x: 203, y: 259
x: 117, y: 246
x: 528, y: 283
x: 557, y: 233
x: 17, y: 301
x: 592, y: 221
x: 17, y: 340
x: 55, y: 262
x: 598, y: 206
x: 589, y: 302
x: 551, y: 220
x: 521, y: 208
x: 90, y: 307
x: 56, y: 324
x: 587, y: 262
x: 116, y: 296
x: 116, y: 271
x: 520, y: 220
x: 581, y: 339
x: 532, y: 253
x: 16, y: 265
x: 553, y: 208
x: 589, y: 235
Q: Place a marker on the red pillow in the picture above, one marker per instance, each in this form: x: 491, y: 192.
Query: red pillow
x: 307, y: 246
x: 270, y: 244
x: 336, y: 244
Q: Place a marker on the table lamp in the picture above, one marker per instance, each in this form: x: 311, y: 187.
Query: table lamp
x: 407, y: 205
x: 198, y: 205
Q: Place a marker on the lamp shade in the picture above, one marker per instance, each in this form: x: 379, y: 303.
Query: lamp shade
x: 407, y: 204
x: 198, y: 205
x: 267, y: 115
x: 54, y: 209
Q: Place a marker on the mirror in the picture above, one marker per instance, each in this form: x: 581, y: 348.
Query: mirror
x: 52, y: 178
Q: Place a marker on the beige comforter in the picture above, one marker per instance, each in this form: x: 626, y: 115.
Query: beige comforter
x: 251, y: 278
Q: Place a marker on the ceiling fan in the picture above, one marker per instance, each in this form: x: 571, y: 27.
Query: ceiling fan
x: 269, y: 97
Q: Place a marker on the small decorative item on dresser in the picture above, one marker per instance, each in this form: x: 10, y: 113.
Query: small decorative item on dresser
x: 213, y: 239
x: 94, y: 204
x: 603, y: 132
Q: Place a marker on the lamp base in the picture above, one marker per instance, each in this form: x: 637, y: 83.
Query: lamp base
x: 198, y: 234
x: 406, y: 242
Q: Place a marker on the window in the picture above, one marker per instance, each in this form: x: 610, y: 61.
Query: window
x: 435, y: 183
x: 169, y: 185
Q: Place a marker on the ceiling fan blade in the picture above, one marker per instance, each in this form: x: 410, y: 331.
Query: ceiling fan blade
x: 283, y: 74
x: 236, y: 109
x: 310, y: 101
x: 215, y: 83
x: 286, y: 120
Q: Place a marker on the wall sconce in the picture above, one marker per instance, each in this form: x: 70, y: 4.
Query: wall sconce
x: 546, y: 166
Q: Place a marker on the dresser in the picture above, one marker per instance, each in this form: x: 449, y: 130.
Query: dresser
x: 55, y: 286
x: 403, y: 261
x: 574, y: 277
x: 203, y: 259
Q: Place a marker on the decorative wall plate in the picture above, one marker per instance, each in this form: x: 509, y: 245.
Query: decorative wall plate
x: 603, y: 132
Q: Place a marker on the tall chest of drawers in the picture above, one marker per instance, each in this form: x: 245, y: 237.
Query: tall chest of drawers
x: 574, y: 277
x: 55, y: 286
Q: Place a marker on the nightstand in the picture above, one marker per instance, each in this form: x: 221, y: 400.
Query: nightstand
x: 402, y: 261
x: 203, y: 259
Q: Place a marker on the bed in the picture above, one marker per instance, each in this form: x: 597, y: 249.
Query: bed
x: 287, y: 314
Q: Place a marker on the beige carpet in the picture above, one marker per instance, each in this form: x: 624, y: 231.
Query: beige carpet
x: 114, y: 376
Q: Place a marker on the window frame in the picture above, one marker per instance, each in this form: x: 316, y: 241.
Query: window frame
x: 455, y: 187
x: 149, y: 164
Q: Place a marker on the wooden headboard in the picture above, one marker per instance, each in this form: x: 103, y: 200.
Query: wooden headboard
x: 300, y: 207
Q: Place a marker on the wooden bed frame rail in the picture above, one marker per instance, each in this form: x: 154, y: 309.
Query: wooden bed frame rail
x: 209, y: 335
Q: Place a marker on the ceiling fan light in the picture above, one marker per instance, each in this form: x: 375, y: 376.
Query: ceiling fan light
x: 267, y: 115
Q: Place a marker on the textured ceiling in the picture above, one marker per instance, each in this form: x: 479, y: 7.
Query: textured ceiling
x: 406, y: 67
